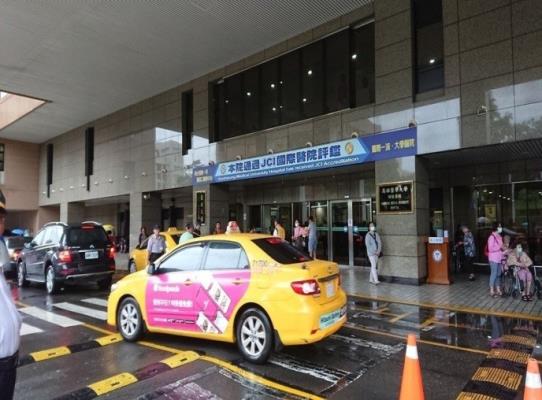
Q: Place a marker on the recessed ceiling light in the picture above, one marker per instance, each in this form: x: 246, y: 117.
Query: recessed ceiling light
x: 272, y: 86
x: 432, y: 60
x: 354, y: 56
x: 309, y: 72
x: 249, y: 94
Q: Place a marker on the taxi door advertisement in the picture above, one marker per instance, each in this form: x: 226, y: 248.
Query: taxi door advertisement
x: 200, y: 301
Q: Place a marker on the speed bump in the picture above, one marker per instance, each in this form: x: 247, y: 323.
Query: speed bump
x: 500, y: 375
x: 56, y: 352
x: 127, y: 378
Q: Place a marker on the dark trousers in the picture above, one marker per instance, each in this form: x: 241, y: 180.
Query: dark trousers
x: 155, y: 256
x: 8, y: 373
x: 467, y: 264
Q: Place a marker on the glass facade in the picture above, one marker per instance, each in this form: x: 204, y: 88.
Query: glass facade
x: 428, y: 45
x: 328, y: 75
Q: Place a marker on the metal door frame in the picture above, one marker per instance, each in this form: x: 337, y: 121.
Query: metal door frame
x: 349, y: 224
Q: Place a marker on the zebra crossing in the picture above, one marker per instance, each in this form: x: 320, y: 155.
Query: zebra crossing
x: 94, y: 308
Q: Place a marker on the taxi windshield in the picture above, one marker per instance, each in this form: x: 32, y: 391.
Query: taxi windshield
x: 281, y: 251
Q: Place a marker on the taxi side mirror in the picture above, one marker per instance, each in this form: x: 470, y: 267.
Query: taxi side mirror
x: 151, y: 269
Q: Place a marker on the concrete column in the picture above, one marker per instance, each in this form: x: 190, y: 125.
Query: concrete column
x: 403, y: 235
x: 72, y: 213
x: 216, y: 206
x: 143, y: 212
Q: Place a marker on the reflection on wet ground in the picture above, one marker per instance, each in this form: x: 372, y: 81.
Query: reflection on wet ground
x: 462, y: 330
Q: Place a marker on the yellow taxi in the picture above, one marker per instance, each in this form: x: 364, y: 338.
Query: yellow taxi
x: 255, y: 290
x: 139, y: 255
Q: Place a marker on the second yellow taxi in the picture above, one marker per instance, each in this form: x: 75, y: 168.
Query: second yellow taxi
x: 139, y: 255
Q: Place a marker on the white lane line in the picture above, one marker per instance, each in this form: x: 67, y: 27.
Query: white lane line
x: 29, y: 329
x: 89, y: 312
x: 96, y: 301
x: 385, y: 349
x: 53, y: 318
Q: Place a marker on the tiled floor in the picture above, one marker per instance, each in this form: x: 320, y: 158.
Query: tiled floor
x: 462, y: 295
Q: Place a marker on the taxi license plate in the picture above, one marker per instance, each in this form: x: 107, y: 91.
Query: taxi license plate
x: 330, y: 289
x: 91, y: 255
x: 329, y: 319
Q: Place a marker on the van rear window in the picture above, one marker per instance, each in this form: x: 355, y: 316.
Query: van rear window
x: 281, y: 251
x: 86, y: 235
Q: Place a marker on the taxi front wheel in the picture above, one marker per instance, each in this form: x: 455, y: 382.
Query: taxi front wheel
x: 129, y: 320
x: 255, y: 336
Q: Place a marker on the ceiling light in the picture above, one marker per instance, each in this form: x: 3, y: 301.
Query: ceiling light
x: 354, y: 56
x: 274, y: 109
x: 249, y: 94
x: 272, y: 86
x: 304, y: 99
x: 309, y: 72
x: 432, y: 60
x: 227, y: 101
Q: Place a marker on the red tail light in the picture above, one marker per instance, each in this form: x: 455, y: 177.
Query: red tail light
x: 306, y: 288
x: 65, y: 256
x: 111, y: 252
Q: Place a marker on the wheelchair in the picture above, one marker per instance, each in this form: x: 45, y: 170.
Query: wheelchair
x: 513, y: 286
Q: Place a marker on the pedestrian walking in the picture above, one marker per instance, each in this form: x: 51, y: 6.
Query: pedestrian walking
x: 10, y: 321
x: 494, y: 252
x: 297, y: 237
x: 142, y: 235
x: 373, y: 244
x: 469, y: 251
x: 279, y: 230
x: 313, y: 238
x: 156, y: 246
x: 187, y: 234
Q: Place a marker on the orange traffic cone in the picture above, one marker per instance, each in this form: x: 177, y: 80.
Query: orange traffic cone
x: 411, y: 384
x: 533, y: 386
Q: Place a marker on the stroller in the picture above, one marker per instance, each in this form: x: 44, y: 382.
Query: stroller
x: 513, y: 286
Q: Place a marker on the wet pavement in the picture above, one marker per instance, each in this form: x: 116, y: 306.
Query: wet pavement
x: 84, y: 358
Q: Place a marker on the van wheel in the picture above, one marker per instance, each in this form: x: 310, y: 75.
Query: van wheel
x: 52, y: 286
x: 21, y: 275
x: 129, y: 320
x: 254, y: 336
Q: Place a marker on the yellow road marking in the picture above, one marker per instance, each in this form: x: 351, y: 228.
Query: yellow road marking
x: 113, y: 383
x: 50, y: 353
x: 526, y: 341
x: 510, y: 355
x: 180, y: 359
x: 450, y: 307
x: 474, y: 396
x: 508, y: 379
x: 427, y: 322
x: 98, y: 329
x: 399, y: 317
x: 263, y: 381
x: 159, y: 347
x: 109, y: 339
x: 428, y: 342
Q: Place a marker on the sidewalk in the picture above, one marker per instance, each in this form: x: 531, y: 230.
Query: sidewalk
x: 462, y: 296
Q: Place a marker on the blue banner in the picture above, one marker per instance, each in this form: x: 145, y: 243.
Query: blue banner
x: 383, y: 146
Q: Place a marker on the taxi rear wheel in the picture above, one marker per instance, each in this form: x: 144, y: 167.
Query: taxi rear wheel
x: 129, y: 320
x: 255, y: 336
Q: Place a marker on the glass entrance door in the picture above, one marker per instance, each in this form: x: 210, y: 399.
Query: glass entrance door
x: 349, y: 225
x: 340, y: 232
x: 361, y: 216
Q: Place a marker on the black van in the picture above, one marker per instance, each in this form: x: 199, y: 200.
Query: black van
x: 62, y: 254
